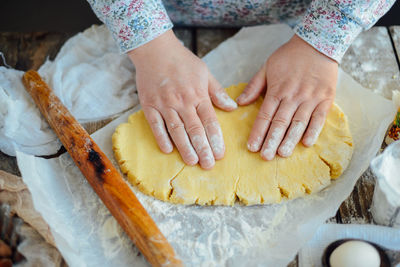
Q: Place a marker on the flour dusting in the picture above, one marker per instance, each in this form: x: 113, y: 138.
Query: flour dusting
x: 255, y: 146
x: 294, y: 135
x: 217, y: 144
x: 273, y: 143
x: 225, y: 100
x: 216, y: 139
x: 164, y: 82
x: 204, y: 151
x: 159, y: 130
x: 313, y: 135
x: 192, y: 153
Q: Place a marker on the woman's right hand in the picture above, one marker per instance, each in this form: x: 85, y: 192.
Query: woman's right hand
x: 176, y: 91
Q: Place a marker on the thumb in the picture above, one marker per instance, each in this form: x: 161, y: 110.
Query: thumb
x: 254, y: 88
x: 218, y: 95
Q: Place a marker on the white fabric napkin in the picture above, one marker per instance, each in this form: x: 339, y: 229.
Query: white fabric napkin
x: 89, y: 76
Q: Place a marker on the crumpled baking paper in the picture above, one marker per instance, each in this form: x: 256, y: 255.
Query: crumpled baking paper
x: 89, y: 76
x: 386, y: 237
x: 261, y: 235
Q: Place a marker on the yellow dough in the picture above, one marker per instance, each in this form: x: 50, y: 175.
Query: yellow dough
x: 240, y: 175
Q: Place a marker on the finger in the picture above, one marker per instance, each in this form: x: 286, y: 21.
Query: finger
x: 157, y: 126
x: 254, y: 88
x: 178, y: 134
x: 219, y: 96
x: 316, y: 123
x: 212, y: 127
x: 296, y: 130
x: 262, y: 123
x: 197, y: 135
x: 278, y: 128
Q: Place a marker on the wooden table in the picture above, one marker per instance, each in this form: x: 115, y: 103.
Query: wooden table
x: 372, y: 60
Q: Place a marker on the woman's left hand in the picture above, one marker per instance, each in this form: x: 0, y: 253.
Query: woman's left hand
x: 300, y: 85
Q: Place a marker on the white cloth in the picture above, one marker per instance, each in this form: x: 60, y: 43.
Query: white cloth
x: 89, y: 76
x: 311, y: 254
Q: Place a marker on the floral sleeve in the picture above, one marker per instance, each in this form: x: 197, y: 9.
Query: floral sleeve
x: 330, y: 26
x: 132, y: 22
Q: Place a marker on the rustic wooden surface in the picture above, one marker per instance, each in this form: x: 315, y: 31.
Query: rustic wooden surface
x: 208, y: 39
x: 371, y: 60
x: 395, y: 34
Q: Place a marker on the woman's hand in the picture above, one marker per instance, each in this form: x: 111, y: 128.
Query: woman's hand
x: 175, y: 88
x: 300, y: 85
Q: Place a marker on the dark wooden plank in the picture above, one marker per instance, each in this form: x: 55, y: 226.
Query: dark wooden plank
x: 395, y: 34
x: 9, y: 47
x: 9, y: 164
x: 25, y: 51
x: 186, y: 36
x: 355, y: 209
x: 294, y: 262
x: 208, y: 39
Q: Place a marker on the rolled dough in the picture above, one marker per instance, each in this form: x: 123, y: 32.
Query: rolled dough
x: 240, y: 175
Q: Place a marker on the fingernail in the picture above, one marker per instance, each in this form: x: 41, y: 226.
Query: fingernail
x: 225, y: 100
x: 309, y: 141
x: 217, y: 144
x: 241, y: 97
x: 230, y: 103
x: 294, y: 135
x: 192, y: 157
x: 273, y: 143
x: 254, y: 146
x: 208, y: 162
x: 286, y: 150
x: 168, y: 147
x: 268, y: 153
x: 312, y: 138
x: 251, y: 147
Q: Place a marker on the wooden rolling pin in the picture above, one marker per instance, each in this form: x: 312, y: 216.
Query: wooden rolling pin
x: 102, y: 175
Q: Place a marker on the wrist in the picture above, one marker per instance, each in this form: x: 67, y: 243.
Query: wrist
x: 299, y: 42
x: 160, y: 44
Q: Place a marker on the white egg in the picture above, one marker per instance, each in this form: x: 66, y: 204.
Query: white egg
x: 355, y: 254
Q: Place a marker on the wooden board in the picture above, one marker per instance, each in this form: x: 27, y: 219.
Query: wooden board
x: 25, y: 51
x: 395, y: 34
x: 9, y: 164
x: 355, y: 209
x: 370, y: 60
x: 186, y: 36
x: 208, y: 39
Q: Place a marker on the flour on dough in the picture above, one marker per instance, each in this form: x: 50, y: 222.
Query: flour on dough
x: 240, y: 175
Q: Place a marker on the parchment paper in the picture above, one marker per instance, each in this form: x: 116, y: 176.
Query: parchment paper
x: 263, y: 235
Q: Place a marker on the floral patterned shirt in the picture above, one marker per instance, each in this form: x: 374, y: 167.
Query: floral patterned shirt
x: 328, y: 25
